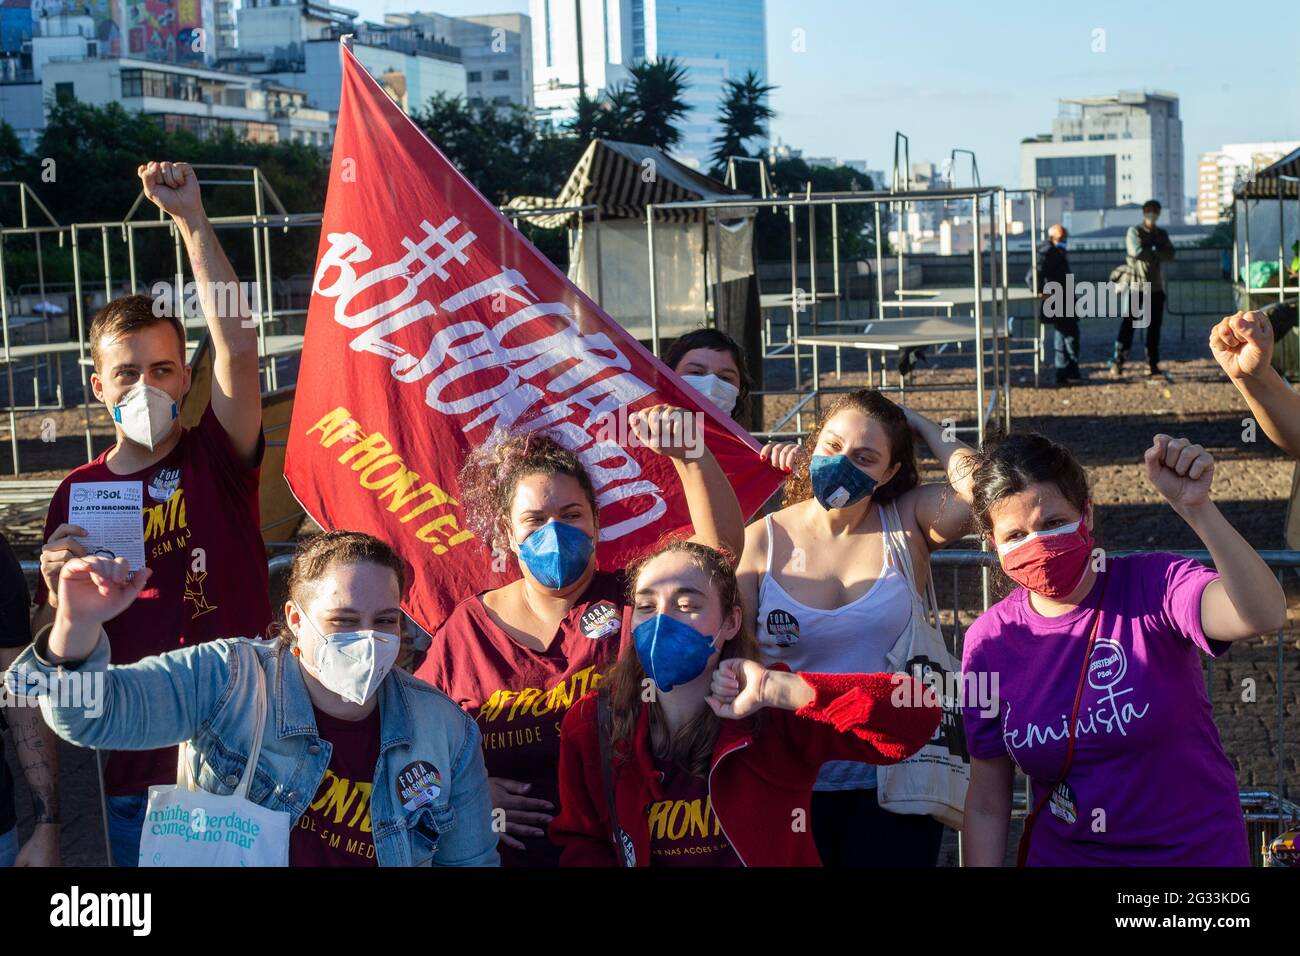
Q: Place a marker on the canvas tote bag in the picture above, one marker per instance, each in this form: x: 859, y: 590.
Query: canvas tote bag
x: 932, y: 781
x: 187, y: 826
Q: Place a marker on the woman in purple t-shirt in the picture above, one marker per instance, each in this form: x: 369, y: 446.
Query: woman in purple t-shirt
x: 1143, y: 779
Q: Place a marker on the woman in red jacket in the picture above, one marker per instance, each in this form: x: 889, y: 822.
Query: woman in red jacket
x: 709, y: 757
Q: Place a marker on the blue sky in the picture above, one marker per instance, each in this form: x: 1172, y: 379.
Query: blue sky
x: 983, y: 75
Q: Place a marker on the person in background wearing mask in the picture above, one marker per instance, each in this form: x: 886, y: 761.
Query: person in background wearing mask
x: 1147, y: 249
x: 343, y: 727
x: 1136, y: 774
x: 713, y: 363
x: 1055, y: 268
x: 712, y: 765
x: 1242, y: 344
x: 518, y: 657
x: 826, y: 593
x: 201, y: 523
x: 34, y: 743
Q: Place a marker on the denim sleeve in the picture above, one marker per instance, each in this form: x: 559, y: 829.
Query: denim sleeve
x: 155, y: 702
x: 471, y: 842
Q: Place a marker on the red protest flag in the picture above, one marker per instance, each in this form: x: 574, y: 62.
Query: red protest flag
x: 433, y: 324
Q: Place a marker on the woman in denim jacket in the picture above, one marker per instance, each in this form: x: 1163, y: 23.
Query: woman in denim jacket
x: 375, y: 767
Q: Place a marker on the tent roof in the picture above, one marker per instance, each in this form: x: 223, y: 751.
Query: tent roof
x: 612, y: 176
x: 1269, y: 183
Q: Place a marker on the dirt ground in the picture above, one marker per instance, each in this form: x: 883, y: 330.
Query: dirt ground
x: 1108, y: 423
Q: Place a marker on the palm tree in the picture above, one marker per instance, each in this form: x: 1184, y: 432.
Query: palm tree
x: 657, y: 88
x: 588, y: 120
x: 622, y: 114
x: 643, y: 110
x: 744, y: 116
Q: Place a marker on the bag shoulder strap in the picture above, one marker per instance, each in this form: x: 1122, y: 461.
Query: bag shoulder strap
x: 896, y: 551
x: 892, y: 525
x: 1022, y: 851
x: 260, y: 706
x: 605, y: 730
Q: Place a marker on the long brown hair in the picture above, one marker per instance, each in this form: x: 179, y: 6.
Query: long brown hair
x: 902, y: 450
x: 692, y: 746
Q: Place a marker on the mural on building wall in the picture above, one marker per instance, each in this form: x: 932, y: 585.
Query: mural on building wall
x: 167, y: 30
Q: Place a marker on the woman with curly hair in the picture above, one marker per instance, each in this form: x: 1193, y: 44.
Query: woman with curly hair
x: 827, y: 594
x: 517, y: 657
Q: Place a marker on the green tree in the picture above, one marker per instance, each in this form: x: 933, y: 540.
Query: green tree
x: 588, y: 119
x: 658, y: 88
x: 13, y: 161
x: 744, y: 115
x: 622, y: 116
x: 502, y: 152
x: 84, y: 169
x: 646, y: 109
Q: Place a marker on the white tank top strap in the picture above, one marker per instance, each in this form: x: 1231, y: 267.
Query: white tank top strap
x: 886, y: 534
x: 896, y: 541
x: 771, y: 544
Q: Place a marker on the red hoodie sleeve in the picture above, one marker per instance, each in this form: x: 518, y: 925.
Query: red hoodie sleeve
x: 581, y: 828
x: 871, y: 718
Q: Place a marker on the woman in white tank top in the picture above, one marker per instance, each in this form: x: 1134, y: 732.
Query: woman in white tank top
x: 828, y: 594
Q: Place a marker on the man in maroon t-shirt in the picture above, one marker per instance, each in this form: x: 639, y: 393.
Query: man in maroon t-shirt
x: 198, y: 487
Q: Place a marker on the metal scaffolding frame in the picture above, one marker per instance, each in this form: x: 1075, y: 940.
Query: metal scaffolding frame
x: 1244, y: 288
x: 263, y: 310
x: 996, y: 300
x: 10, y: 352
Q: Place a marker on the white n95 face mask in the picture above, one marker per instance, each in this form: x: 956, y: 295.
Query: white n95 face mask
x: 146, y: 414
x: 353, y: 664
x: 719, y: 391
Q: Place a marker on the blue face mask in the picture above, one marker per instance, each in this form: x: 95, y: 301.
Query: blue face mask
x: 1062, y: 244
x: 837, y: 482
x: 557, y: 554
x: 671, y: 652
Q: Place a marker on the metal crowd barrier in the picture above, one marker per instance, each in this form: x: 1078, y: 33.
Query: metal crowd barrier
x: 1268, y: 812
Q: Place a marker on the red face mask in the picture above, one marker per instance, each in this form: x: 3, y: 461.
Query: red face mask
x: 1050, y: 563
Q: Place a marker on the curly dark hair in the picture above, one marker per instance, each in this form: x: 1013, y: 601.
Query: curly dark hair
x: 492, y: 472
x: 902, y: 448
